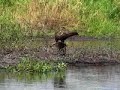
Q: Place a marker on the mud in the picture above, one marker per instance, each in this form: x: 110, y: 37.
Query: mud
x: 74, y: 55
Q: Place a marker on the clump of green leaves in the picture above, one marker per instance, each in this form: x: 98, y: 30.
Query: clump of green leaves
x: 29, y: 65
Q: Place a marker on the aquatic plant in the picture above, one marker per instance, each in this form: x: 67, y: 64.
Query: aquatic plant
x: 28, y: 65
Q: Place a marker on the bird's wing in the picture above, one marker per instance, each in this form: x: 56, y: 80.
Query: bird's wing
x: 67, y: 35
x: 64, y: 35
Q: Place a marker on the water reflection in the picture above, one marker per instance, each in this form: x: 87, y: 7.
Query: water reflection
x: 32, y: 81
x: 59, y: 81
x: 76, y: 78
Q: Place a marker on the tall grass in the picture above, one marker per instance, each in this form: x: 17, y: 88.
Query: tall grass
x: 98, y: 18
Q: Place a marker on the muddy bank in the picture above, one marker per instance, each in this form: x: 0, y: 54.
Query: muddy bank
x: 12, y: 57
x: 77, y: 53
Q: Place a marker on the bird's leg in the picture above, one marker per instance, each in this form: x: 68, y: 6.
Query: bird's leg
x: 60, y: 46
x: 65, y: 49
x: 62, y: 50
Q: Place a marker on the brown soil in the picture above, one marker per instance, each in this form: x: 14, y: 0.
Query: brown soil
x: 73, y: 56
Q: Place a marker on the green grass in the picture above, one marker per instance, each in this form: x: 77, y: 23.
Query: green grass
x: 28, y: 65
x: 102, y: 18
x: 97, y: 18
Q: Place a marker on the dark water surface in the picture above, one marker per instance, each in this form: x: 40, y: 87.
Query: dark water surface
x: 75, y: 78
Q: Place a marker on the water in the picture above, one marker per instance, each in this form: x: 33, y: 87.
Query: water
x: 75, y: 78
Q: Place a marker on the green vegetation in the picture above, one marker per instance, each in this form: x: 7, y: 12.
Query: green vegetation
x: 20, y: 18
x: 29, y: 65
x: 103, y: 17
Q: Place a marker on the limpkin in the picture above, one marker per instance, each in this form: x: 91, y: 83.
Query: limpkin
x: 60, y: 38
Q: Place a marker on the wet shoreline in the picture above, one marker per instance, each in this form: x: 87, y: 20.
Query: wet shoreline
x: 75, y: 55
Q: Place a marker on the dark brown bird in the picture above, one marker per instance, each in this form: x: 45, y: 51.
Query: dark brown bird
x: 60, y: 37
